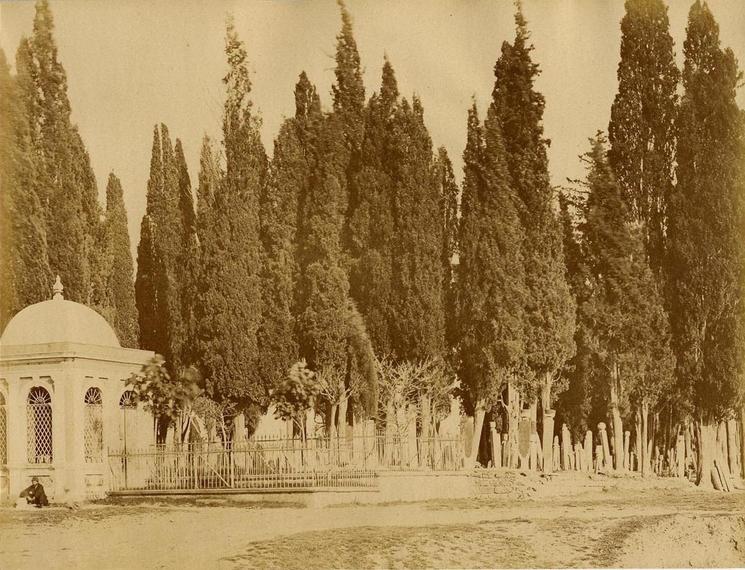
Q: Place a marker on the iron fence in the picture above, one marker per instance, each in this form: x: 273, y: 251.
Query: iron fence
x: 279, y: 464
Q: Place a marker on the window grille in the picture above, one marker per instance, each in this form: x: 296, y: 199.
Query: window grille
x: 127, y: 400
x: 93, y: 432
x: 39, y: 426
x: 3, y: 432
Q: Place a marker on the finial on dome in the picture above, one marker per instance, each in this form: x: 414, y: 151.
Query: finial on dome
x: 57, y: 289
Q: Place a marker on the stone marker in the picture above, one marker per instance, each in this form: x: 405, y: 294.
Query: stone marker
x: 599, y: 459
x: 556, y: 453
x: 607, y: 459
x: 523, y: 441
x: 566, y: 448
x: 588, y: 451
x: 496, y: 445
x: 548, y: 433
x: 626, y: 450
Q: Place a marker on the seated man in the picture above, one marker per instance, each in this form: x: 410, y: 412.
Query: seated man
x: 35, y: 494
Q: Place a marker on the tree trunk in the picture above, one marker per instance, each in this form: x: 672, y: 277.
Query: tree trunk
x: 426, y: 429
x: 639, y: 438
x: 616, y: 416
x: 706, y: 435
x: 732, y: 451
x: 645, y: 457
x: 514, y: 408
x: 548, y: 437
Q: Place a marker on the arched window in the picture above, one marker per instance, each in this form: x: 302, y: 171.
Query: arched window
x: 93, y: 431
x: 127, y: 400
x: 128, y: 420
x: 39, y: 426
x: 3, y: 431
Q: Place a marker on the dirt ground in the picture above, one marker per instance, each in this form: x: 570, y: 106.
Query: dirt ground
x: 569, y: 522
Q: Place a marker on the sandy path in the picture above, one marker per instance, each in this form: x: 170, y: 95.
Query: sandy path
x: 198, y: 537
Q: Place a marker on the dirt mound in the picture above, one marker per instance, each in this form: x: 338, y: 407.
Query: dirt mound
x: 701, y: 541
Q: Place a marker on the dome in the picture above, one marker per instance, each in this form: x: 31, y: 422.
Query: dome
x: 58, y: 320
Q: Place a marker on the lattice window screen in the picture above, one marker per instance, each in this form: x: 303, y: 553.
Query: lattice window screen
x: 39, y: 426
x: 93, y: 432
x: 3, y: 432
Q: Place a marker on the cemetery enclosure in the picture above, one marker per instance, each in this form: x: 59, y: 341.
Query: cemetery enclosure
x: 279, y: 464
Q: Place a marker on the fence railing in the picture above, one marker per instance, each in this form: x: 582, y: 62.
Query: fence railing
x: 275, y: 463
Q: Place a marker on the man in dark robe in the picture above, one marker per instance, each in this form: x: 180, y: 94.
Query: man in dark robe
x: 35, y: 494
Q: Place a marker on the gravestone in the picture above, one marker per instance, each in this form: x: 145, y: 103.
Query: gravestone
x: 523, y: 441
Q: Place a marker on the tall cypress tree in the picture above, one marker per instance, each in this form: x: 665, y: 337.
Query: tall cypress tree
x: 64, y: 183
x: 550, y: 308
x: 160, y: 258
x: 120, y: 272
x: 24, y: 271
x: 280, y: 202
x: 706, y: 233
x: 187, y: 267
x: 348, y: 91
x: 448, y: 191
x: 148, y: 260
x: 627, y: 328
x: 229, y: 307
x: 641, y: 129
x: 490, y: 274
x: 371, y: 226
x: 418, y: 320
x: 575, y: 405
x: 332, y: 335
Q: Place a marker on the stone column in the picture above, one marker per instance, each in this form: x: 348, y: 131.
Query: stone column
x: 496, y: 447
x: 607, y: 460
x: 578, y: 456
x: 556, y: 453
x: 566, y: 448
x: 505, y: 450
x: 588, y: 451
x: 626, y: 450
x: 548, y: 434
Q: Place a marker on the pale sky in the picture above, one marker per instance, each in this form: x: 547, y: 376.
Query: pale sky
x: 131, y: 64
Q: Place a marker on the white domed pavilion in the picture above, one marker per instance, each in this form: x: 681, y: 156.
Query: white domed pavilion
x: 63, y: 400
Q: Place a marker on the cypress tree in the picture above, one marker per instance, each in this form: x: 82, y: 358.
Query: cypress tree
x: 160, y: 277
x: 490, y: 274
x: 418, y: 320
x: 120, y: 273
x: 448, y: 191
x: 65, y: 183
x: 348, y: 91
x: 626, y: 325
x: 332, y: 335
x: 24, y: 271
x: 641, y: 129
x: 371, y: 227
x: 706, y: 234
x: 147, y: 294
x: 229, y: 307
x: 574, y: 405
x: 549, y: 309
x: 187, y: 267
x: 280, y: 202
